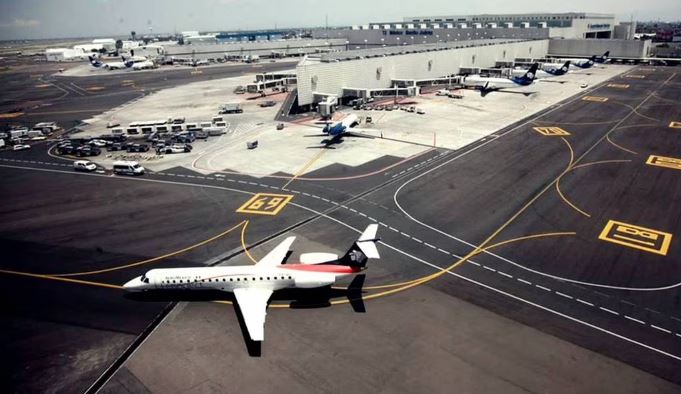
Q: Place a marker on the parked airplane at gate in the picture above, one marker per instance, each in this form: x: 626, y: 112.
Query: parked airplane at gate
x: 253, y: 285
x: 548, y: 70
x: 587, y: 63
x: 109, y: 66
x: 488, y: 84
x: 340, y: 129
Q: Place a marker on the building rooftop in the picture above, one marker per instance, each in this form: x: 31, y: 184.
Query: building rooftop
x: 405, y: 49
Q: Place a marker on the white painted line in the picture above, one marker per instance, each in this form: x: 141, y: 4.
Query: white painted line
x: 429, y: 245
x: 504, y: 274
x: 489, y: 268
x: 564, y: 295
x: 394, y: 229
x: 660, y: 328
x: 543, y: 288
x: 417, y: 240
x: 632, y: 319
x: 608, y: 310
x: 524, y: 281
x: 362, y: 214
x: 443, y: 251
x: 584, y: 302
x: 405, y: 234
x: 474, y: 263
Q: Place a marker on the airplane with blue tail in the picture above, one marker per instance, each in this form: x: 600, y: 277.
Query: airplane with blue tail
x: 489, y: 84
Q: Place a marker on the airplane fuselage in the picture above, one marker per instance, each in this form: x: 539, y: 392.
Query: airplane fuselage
x: 341, y: 126
x: 230, y: 278
x: 489, y: 83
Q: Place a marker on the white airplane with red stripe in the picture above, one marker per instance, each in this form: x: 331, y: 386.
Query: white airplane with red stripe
x: 253, y: 285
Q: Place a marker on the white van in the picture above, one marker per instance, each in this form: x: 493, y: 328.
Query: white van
x: 127, y: 168
x: 205, y: 124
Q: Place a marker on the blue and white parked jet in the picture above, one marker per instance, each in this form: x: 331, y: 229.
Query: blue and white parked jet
x: 588, y: 63
x: 340, y: 129
x: 488, y: 84
x: 109, y: 66
x: 548, y: 70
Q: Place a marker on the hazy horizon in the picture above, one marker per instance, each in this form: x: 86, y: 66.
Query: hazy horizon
x: 45, y: 19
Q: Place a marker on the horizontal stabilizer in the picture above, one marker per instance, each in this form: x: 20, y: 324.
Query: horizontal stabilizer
x: 367, y: 242
x: 317, y: 258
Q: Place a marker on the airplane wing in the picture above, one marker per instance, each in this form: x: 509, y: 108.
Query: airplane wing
x: 277, y: 255
x: 253, y: 305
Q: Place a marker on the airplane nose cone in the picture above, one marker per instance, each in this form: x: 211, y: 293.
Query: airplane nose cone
x: 133, y: 285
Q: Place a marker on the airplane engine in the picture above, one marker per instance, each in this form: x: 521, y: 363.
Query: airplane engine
x: 312, y: 281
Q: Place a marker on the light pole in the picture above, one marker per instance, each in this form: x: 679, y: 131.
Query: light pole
x: 412, y: 40
x: 382, y: 42
x: 365, y: 43
x: 437, y: 39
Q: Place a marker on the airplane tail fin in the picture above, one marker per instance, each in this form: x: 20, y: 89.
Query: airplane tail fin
x: 606, y: 54
x: 363, y: 249
x: 528, y: 77
x: 532, y: 72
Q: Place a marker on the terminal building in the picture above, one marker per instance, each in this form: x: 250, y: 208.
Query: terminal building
x: 399, y: 57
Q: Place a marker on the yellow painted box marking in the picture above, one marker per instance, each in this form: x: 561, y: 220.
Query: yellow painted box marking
x: 637, y: 237
x: 265, y: 204
x: 551, y: 131
x: 666, y: 162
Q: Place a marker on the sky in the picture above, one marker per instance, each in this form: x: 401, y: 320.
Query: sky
x: 85, y: 18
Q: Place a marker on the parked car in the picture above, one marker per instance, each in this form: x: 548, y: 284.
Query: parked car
x: 98, y: 143
x: 83, y: 151
x: 268, y: 104
x: 65, y: 149
x: 21, y: 147
x: 177, y: 148
x: 420, y: 111
x: 280, y: 126
x: 115, y: 147
x: 368, y: 119
x: 137, y: 147
x: 84, y: 165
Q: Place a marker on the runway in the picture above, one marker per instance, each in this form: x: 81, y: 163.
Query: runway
x: 535, y: 285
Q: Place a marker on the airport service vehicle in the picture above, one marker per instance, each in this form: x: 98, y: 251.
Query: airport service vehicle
x: 268, y: 104
x: 253, y: 285
x: 280, y: 126
x: 587, y: 63
x: 251, y: 144
x: 442, y: 92
x: 488, y: 84
x: 420, y: 111
x: 84, y: 165
x: 21, y: 147
x: 127, y: 168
